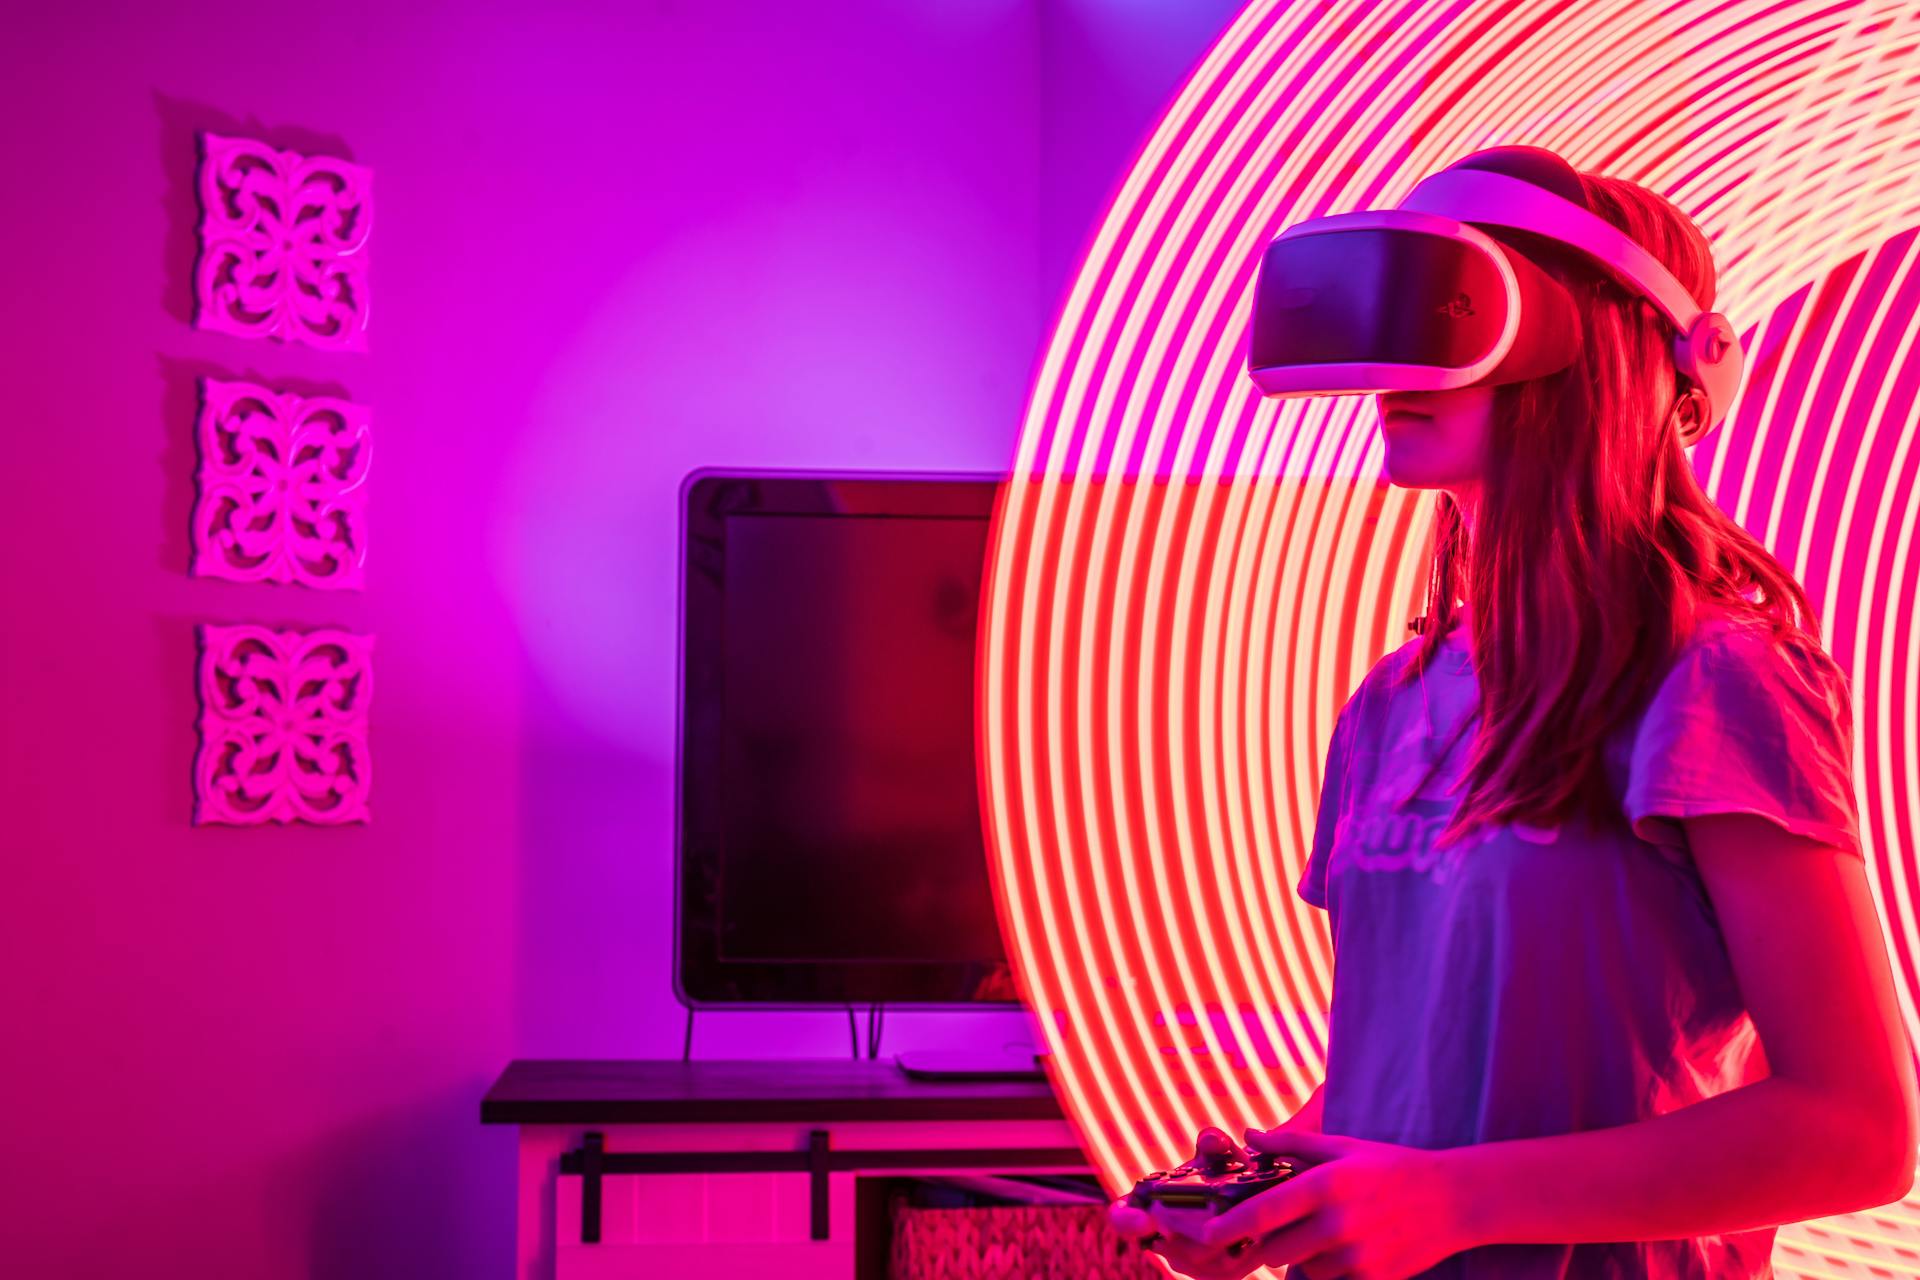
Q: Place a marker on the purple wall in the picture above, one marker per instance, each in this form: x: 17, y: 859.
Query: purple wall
x: 610, y: 245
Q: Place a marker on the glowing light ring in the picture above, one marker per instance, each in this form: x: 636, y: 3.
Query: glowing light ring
x: 1186, y: 581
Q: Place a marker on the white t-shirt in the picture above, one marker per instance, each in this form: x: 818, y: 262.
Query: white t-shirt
x: 1535, y: 982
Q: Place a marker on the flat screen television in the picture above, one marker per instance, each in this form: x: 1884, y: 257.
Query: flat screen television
x: 829, y: 840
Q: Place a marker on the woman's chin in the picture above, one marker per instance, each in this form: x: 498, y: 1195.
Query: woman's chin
x: 1408, y: 475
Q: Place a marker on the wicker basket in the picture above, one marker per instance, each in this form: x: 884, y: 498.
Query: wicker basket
x: 1013, y: 1242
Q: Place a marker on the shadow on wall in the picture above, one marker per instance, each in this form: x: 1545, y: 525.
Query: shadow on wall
x: 181, y: 122
x: 594, y: 907
x: 423, y: 1192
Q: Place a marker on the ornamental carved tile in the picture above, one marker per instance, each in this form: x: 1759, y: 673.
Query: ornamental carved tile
x: 283, y: 244
x: 283, y: 486
x: 283, y: 726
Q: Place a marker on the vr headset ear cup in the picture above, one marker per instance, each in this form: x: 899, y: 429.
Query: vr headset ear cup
x: 1710, y: 357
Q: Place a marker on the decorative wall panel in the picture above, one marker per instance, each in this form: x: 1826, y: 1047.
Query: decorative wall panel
x: 282, y: 486
x: 283, y: 244
x: 283, y: 726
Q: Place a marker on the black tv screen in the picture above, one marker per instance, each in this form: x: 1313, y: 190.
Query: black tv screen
x: 830, y: 840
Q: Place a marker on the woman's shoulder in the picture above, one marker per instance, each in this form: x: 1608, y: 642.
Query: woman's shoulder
x: 1721, y: 635
x: 1731, y: 652
x: 1379, y: 685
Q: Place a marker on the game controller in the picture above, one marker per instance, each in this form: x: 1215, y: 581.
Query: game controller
x: 1219, y: 1176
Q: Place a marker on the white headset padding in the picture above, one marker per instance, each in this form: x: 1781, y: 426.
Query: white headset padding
x: 1708, y: 354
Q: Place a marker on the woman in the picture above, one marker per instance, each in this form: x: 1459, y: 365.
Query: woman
x: 1607, y: 965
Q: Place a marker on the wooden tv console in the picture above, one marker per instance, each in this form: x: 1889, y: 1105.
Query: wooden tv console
x: 640, y: 1167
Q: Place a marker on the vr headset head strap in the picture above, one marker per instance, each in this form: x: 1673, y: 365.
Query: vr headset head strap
x: 1706, y: 349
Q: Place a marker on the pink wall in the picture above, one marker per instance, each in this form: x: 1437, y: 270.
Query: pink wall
x: 610, y: 245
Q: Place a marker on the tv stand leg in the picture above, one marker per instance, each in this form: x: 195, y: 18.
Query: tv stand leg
x: 817, y: 1171
x: 592, y: 1148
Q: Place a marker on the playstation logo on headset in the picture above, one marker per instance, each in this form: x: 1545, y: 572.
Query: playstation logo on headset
x: 1459, y: 308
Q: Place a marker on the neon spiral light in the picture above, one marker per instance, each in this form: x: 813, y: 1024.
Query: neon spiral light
x: 1186, y: 581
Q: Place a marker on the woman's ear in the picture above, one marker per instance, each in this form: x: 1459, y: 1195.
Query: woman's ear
x: 1690, y: 413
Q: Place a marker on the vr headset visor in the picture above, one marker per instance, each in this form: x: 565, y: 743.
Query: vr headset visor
x: 1391, y: 300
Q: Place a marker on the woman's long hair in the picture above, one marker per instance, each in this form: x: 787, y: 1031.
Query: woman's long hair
x: 1595, y: 551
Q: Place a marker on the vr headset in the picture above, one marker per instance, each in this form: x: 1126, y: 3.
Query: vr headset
x: 1420, y: 298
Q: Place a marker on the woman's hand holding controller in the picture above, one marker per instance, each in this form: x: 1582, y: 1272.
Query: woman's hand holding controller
x: 1172, y: 1233
x: 1357, y: 1210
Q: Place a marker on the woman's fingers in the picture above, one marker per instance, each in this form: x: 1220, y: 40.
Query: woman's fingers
x: 1191, y: 1258
x: 1129, y: 1222
x: 1167, y: 1233
x: 1181, y: 1246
